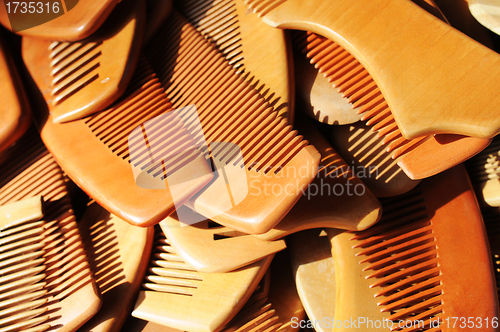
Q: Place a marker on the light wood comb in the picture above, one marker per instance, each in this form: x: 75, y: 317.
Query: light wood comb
x: 81, y: 78
x: 94, y: 151
x: 175, y: 295
x: 15, y: 115
x: 440, y: 63
x: 323, y: 204
x: 209, y: 247
x: 233, y: 113
x: 68, y: 293
x: 77, y: 20
x: 426, y: 261
x: 244, y: 41
x: 119, y: 256
x: 487, y: 13
x: 418, y: 158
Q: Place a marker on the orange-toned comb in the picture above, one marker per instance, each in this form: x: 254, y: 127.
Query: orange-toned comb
x: 244, y: 41
x: 15, y: 116
x: 440, y: 63
x: 177, y: 296
x: 210, y: 247
x: 80, y: 78
x: 336, y: 198
x: 64, y: 293
x: 418, y: 158
x: 426, y: 262
x: 119, y: 256
x: 65, y: 20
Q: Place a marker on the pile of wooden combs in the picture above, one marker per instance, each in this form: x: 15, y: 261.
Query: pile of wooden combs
x: 250, y: 165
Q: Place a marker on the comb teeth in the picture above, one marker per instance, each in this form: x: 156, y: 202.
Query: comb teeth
x: 217, y: 21
x: 73, y: 66
x: 263, y: 7
x: 56, y: 245
x: 357, y: 86
x: 167, y: 272
x: 255, y: 316
x: 485, y: 165
x: 400, y: 257
x: 229, y: 109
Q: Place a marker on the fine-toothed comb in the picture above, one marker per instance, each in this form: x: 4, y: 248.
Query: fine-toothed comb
x: 209, y: 247
x: 336, y: 198
x: 484, y: 171
x: 487, y: 13
x: 418, y: 158
x: 67, y: 284
x: 94, y: 152
x: 244, y: 41
x: 426, y: 82
x: 257, y: 154
x: 65, y: 20
x: 175, y: 295
x: 119, y: 256
x: 426, y: 262
x: 15, y: 116
x: 313, y: 268
x: 274, y: 305
x: 366, y: 153
x: 80, y: 78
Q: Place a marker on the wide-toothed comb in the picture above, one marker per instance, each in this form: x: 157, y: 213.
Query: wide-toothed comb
x: 336, y: 198
x: 175, y: 295
x: 209, y: 247
x: 251, y: 146
x: 28, y: 170
x: 94, y: 151
x: 65, y: 20
x: 244, y: 41
x: 426, y: 262
x: 15, y: 115
x: 119, y: 256
x: 366, y: 154
x: 419, y: 158
x: 426, y: 82
x: 81, y: 78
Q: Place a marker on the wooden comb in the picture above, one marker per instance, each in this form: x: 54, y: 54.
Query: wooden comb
x: 425, y: 262
x: 67, y: 295
x: 119, y: 255
x: 175, y: 295
x: 323, y: 204
x: 314, y: 271
x: 367, y: 156
x: 75, y: 20
x: 484, y: 171
x: 431, y: 65
x: 80, y: 78
x: 94, y: 152
x: 209, y: 247
x: 15, y: 116
x: 244, y: 41
x: 418, y: 158
x: 487, y: 13
x: 251, y: 140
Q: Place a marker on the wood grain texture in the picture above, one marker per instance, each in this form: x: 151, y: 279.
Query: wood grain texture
x: 78, y: 79
x: 245, y: 41
x: 175, y: 295
x: 336, y: 198
x: 441, y: 63
x: 119, y: 256
x: 231, y: 111
x: 427, y: 259
x: 70, y: 295
x: 76, y: 24
x: 210, y: 247
x: 15, y: 114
